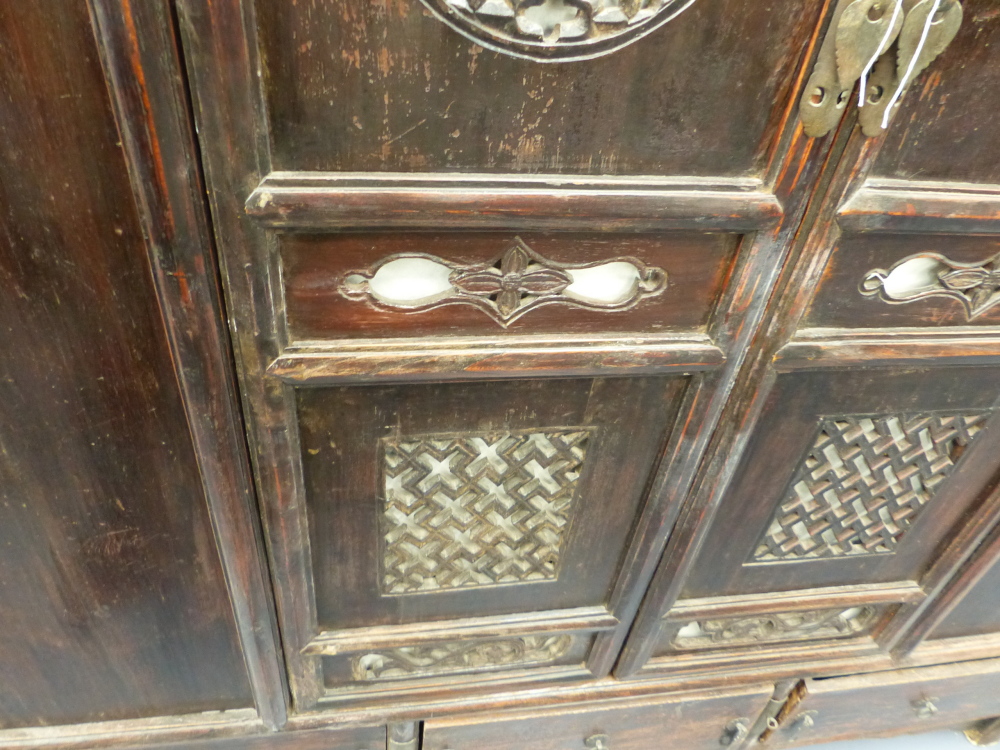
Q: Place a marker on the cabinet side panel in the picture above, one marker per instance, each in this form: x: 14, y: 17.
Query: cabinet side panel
x: 112, y: 598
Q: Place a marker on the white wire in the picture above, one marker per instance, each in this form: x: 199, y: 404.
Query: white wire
x: 913, y: 62
x: 878, y: 52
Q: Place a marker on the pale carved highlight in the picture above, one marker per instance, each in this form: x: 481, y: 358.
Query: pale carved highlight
x: 460, y: 656
x: 555, y: 30
x: 518, y: 281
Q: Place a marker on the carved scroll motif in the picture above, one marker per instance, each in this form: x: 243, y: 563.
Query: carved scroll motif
x: 975, y: 285
x: 518, y: 281
x: 864, y: 483
x: 555, y: 30
x: 460, y: 656
x: 477, y: 510
x: 785, y: 626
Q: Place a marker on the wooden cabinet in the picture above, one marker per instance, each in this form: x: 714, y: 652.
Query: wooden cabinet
x: 558, y: 373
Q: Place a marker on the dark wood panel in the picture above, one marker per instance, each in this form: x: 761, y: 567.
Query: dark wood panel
x: 787, y: 431
x: 113, y: 598
x: 946, y: 127
x: 693, y: 98
x: 315, y: 268
x: 343, y: 428
x: 978, y: 610
x: 839, y: 303
x: 144, y: 71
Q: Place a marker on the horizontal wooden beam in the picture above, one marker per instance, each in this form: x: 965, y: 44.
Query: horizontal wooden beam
x: 835, y: 348
x: 790, y: 601
x: 325, y: 201
x: 392, y: 636
x: 465, y: 359
x: 903, y: 206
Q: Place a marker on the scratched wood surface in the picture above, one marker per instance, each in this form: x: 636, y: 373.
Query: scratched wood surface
x: 692, y: 99
x: 111, y: 593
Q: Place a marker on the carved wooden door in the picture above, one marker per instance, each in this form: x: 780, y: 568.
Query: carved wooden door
x: 856, y: 471
x: 492, y: 269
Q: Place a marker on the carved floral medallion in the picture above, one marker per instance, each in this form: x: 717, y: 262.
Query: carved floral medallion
x: 517, y: 282
x: 555, y: 30
x: 975, y: 285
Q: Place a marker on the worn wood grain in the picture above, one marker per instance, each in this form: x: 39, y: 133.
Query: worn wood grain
x: 146, y: 81
x: 113, y: 596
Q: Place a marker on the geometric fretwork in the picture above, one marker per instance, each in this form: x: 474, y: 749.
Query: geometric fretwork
x: 864, y: 483
x: 477, y: 510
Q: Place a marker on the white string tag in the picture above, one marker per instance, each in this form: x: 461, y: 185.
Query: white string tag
x: 912, y: 65
x: 898, y: 6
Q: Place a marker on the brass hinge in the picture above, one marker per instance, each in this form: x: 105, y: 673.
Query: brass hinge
x: 781, y: 706
x: 885, y: 44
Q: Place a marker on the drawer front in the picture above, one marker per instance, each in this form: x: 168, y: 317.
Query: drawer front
x: 900, y: 702
x: 494, y: 284
x: 707, y: 721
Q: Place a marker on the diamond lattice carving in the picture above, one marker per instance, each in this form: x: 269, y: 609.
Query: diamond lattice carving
x: 864, y: 483
x: 477, y: 510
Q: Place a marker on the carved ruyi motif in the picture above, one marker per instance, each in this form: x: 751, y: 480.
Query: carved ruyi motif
x: 477, y: 510
x: 785, y: 626
x: 460, y: 656
x: 555, y: 30
x: 506, y: 288
x: 864, y: 483
x: 975, y: 285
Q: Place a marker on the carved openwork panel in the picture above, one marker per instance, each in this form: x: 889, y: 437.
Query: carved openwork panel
x: 864, y: 483
x: 975, y: 285
x: 555, y: 30
x: 460, y: 656
x: 506, y: 288
x: 785, y: 626
x: 477, y: 510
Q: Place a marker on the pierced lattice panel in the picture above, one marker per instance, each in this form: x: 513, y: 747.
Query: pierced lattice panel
x: 477, y: 510
x: 864, y: 483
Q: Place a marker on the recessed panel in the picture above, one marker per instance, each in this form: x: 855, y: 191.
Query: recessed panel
x: 356, y: 85
x: 434, y: 502
x: 852, y: 477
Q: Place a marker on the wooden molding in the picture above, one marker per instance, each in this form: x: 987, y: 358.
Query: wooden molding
x: 408, y: 359
x: 837, y: 348
x: 900, y: 206
x: 499, y: 626
x: 789, y: 601
x: 321, y: 200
